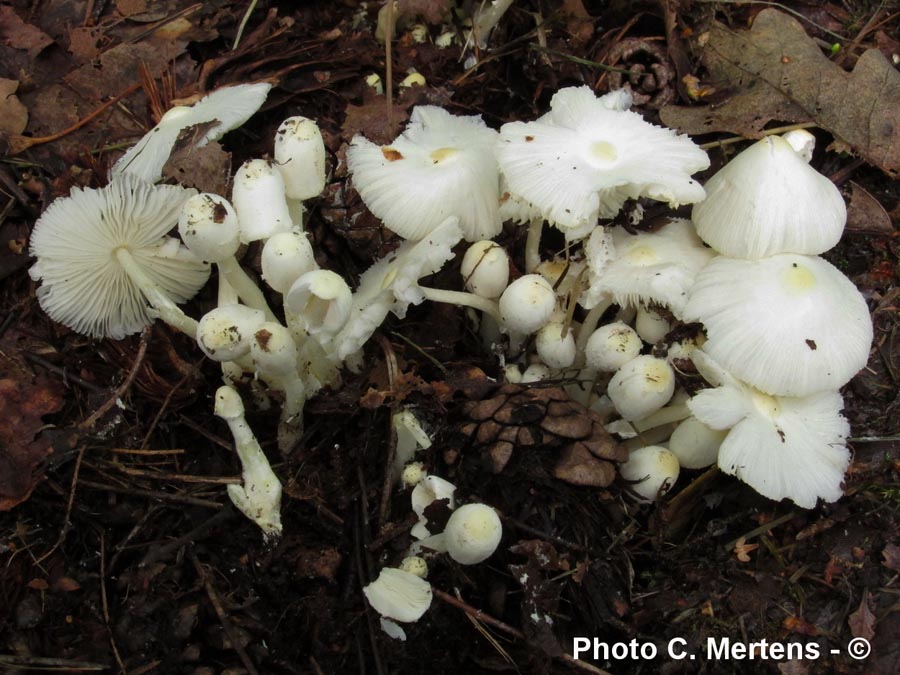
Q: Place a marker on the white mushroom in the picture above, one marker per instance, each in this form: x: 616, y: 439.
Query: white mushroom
x: 789, y: 325
x: 767, y: 201
x: 106, y: 265
x: 588, y: 155
x: 300, y: 157
x: 213, y: 115
x: 653, y: 469
x: 259, y: 498
x: 473, y: 533
x: 399, y: 595
x: 641, y: 387
x: 441, y: 166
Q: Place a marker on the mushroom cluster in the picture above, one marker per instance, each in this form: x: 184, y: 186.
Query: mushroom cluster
x: 783, y: 329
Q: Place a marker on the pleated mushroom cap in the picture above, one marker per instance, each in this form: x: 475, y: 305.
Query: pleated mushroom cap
x: 782, y: 447
x: 441, y: 166
x: 588, y: 155
x: 789, y: 325
x: 75, y: 241
x: 768, y: 200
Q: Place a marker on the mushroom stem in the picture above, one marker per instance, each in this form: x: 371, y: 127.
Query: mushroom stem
x: 671, y: 413
x: 489, y: 307
x: 247, y: 290
x: 259, y: 498
x: 156, y: 296
x: 588, y: 326
x: 533, y: 245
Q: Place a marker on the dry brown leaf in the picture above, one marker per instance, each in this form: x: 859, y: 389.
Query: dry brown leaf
x: 17, y: 34
x: 891, y: 554
x: 865, y: 213
x: 13, y: 115
x: 24, y: 399
x: 431, y: 11
x: 208, y: 169
x: 775, y: 71
x: 862, y: 621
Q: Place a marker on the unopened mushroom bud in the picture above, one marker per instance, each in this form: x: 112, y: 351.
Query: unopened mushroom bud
x: 209, y: 227
x: 285, y: 258
x: 415, y: 565
x: 695, y: 444
x: 260, y: 201
x: 473, y: 533
x: 320, y: 301
x: 259, y: 498
x: 412, y: 80
x: 555, y: 345
x: 485, y: 269
x: 641, y: 387
x: 525, y: 307
x: 224, y: 333
x: 650, y: 325
x: 802, y: 142
x: 612, y: 346
x: 300, y: 157
x: 654, y: 469
x: 412, y: 474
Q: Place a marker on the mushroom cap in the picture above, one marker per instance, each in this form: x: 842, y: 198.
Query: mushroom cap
x: 655, y: 267
x: 555, y: 344
x: 473, y: 533
x: 286, y: 257
x: 224, y: 333
x: 789, y: 325
x: 654, y: 467
x: 300, y: 157
x: 527, y: 304
x: 641, y: 387
x: 399, y: 595
x: 220, y: 111
x: 611, y: 346
x: 782, y: 447
x: 587, y: 156
x: 441, y: 166
x: 258, y: 194
x: 322, y: 300
x: 209, y: 227
x: 695, y: 444
x: 767, y: 201
x: 83, y: 285
x: 485, y: 269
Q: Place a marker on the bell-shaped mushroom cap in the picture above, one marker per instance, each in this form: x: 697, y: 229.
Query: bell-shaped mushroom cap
x: 321, y: 300
x: 399, y: 595
x: 286, y: 257
x: 485, y: 269
x: 219, y: 112
x: 300, y: 157
x: 259, y: 198
x: 85, y: 287
x: 655, y: 267
x: 585, y: 157
x: 768, y: 200
x: 441, y: 166
x: 611, y: 346
x: 782, y: 447
x: 473, y: 533
x: 789, y: 325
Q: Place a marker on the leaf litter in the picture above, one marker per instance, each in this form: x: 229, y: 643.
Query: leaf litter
x: 775, y: 71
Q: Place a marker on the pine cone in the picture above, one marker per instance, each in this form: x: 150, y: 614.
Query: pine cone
x: 519, y: 416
